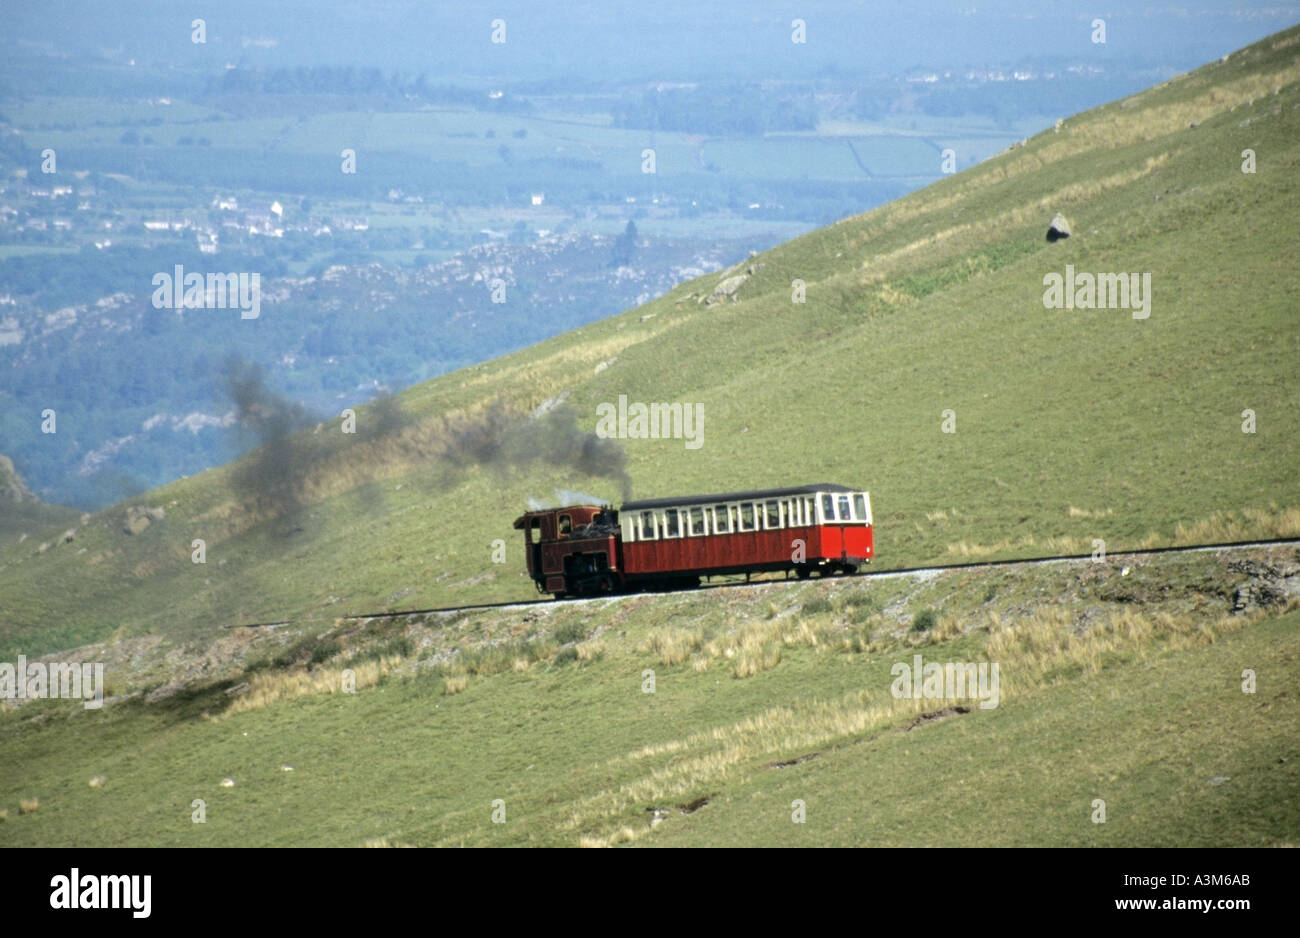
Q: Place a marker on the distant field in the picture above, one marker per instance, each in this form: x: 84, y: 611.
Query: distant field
x: 462, y: 136
x: 815, y: 158
x: 919, y: 124
x: 47, y: 112
x: 21, y: 250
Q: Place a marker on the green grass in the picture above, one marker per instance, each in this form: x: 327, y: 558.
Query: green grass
x: 580, y: 754
x: 1071, y: 425
x: 16, y: 519
x: 1121, y: 681
x: 1147, y: 740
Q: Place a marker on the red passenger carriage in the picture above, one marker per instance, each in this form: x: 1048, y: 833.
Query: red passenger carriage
x: 670, y: 543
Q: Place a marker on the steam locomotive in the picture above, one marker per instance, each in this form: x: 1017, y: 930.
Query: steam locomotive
x: 672, y: 543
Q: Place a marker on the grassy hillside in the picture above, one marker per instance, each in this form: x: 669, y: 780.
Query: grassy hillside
x: 21, y: 512
x: 1121, y: 682
x: 1071, y: 425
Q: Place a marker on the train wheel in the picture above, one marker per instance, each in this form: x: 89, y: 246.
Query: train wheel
x: 804, y: 571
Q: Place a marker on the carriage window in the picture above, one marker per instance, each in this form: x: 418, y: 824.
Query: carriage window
x: 792, y: 512
x: 566, y: 525
x: 721, y: 519
x: 810, y: 511
x: 647, y: 525
x: 697, y: 520
x: 860, y: 507
x: 773, y: 515
x: 844, y: 508
x: 746, y: 516
x: 828, y: 507
x: 671, y: 526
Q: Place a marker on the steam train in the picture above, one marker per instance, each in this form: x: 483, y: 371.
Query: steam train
x: 671, y: 543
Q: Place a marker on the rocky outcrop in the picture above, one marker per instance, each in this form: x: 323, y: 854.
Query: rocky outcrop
x: 1269, y: 584
x: 12, y: 488
x: 138, y: 518
x: 1059, y: 228
x: 726, y: 289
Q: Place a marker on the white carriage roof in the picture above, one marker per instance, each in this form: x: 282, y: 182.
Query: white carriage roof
x: 755, y: 495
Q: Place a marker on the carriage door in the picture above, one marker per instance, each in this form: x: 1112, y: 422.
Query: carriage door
x: 832, y: 530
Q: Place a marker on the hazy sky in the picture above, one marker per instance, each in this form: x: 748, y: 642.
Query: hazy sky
x: 620, y: 39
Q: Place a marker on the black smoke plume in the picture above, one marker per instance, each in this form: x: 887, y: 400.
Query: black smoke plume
x: 500, y: 442
x: 271, y: 475
x: 274, y: 475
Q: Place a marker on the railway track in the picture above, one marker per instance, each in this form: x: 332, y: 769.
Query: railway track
x: 730, y: 583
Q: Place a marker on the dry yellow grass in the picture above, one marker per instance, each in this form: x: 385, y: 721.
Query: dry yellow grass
x: 1030, y: 212
x: 673, y: 646
x: 1065, y: 544
x: 1085, y: 513
x: 945, y: 628
x: 754, y: 657
x: 755, y: 646
x: 1127, y: 126
x: 29, y: 805
x: 622, y: 835
x: 455, y: 684
x: 1052, y: 639
x: 1247, y: 524
x: 1221, y: 528
x: 891, y: 297
x: 266, y: 689
x: 1027, y: 653
x: 702, y: 759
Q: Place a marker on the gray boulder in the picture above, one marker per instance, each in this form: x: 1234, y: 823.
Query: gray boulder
x: 1058, y: 229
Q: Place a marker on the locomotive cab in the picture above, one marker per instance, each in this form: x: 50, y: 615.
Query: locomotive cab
x: 572, y: 550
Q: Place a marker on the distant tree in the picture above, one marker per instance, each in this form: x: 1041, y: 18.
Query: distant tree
x: 520, y: 234
x: 625, y: 246
x: 156, y: 321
